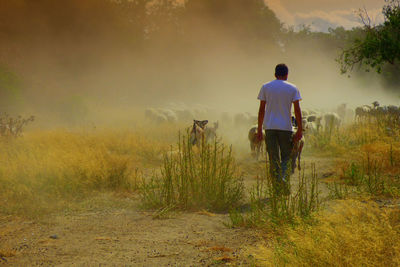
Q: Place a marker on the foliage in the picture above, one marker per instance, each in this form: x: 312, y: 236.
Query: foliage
x: 191, y: 178
x: 379, y: 44
x: 243, y: 19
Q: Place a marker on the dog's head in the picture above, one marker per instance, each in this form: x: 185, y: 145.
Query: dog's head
x: 201, y: 124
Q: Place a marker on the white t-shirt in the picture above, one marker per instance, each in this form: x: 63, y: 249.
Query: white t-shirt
x: 279, y: 96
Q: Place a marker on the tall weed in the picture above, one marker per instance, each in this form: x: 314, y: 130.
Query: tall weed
x: 204, y: 177
x: 270, y: 203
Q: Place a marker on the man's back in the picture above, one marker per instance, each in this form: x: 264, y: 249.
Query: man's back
x: 279, y: 96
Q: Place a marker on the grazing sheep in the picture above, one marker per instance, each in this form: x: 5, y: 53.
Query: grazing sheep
x: 362, y: 112
x: 155, y: 116
x: 197, y: 132
x: 312, y: 118
x: 256, y: 145
x: 311, y: 128
x: 332, y: 121
x: 375, y: 104
x: 169, y: 114
x: 211, y: 132
x: 316, y: 120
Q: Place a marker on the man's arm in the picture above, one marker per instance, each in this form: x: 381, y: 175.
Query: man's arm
x: 299, y: 120
x: 261, y: 113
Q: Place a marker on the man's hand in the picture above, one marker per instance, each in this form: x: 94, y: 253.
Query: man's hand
x: 261, y: 113
x: 298, y: 135
x: 259, y: 135
x: 297, y: 112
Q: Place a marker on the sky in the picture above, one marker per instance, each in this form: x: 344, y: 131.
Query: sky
x: 322, y: 14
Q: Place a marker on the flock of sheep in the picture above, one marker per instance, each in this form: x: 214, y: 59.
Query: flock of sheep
x: 314, y: 120
x: 367, y: 112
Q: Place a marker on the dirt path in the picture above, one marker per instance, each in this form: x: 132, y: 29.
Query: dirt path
x: 128, y: 236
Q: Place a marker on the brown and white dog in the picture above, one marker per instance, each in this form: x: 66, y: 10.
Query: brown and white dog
x: 297, y: 148
x: 256, y: 145
x: 197, y: 133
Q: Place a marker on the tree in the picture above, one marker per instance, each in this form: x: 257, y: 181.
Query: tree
x: 245, y: 20
x: 377, y: 45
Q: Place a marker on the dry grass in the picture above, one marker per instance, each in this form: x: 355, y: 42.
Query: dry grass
x: 352, y: 233
x: 348, y: 232
x: 45, y: 171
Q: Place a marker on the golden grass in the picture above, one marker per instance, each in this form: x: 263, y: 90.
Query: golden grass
x: 45, y: 170
x: 352, y: 233
x: 348, y: 232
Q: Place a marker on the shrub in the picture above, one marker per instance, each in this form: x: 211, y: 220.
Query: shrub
x: 12, y: 127
x: 204, y: 177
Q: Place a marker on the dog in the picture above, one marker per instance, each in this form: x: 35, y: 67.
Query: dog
x: 197, y: 133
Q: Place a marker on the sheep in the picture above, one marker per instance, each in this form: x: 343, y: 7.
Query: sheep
x: 311, y: 128
x: 169, y: 114
x: 311, y: 118
x: 155, y: 116
x: 332, y: 120
x: 362, y: 112
x: 316, y: 120
x: 256, y: 145
x: 197, y: 132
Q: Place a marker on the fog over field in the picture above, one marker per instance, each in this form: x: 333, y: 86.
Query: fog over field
x: 79, y: 59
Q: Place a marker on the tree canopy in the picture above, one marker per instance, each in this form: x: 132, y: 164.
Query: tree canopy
x: 376, y: 46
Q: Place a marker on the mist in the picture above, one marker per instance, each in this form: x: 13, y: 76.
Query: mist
x: 77, y: 61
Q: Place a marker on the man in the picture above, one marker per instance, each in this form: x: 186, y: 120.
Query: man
x: 276, y: 99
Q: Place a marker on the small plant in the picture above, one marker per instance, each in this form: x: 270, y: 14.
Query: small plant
x: 338, y: 190
x: 13, y: 127
x: 204, y: 177
x: 368, y: 177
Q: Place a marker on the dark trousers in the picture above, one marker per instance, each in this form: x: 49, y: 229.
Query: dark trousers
x: 279, y: 147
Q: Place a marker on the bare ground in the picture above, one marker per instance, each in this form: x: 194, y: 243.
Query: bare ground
x: 126, y: 235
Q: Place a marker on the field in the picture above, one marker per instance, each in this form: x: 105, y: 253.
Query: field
x: 138, y: 197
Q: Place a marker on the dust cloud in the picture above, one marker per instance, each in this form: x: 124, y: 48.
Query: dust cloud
x: 74, y: 62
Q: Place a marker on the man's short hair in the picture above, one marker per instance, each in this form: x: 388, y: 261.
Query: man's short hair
x: 281, y: 70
